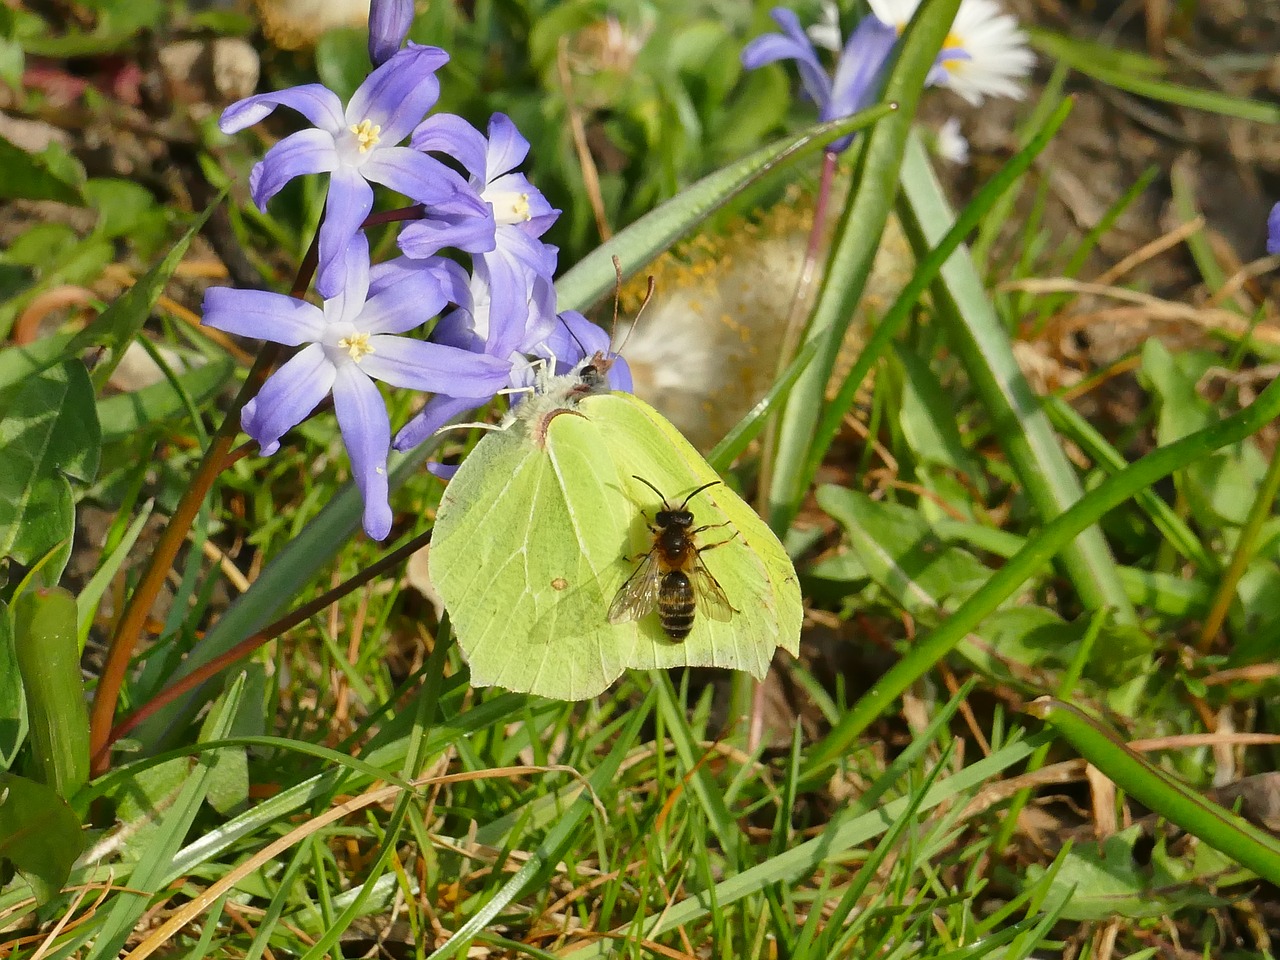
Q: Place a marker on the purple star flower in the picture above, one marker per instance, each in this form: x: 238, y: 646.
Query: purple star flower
x: 389, y: 22
x: 480, y: 327
x: 349, y: 343
x: 1273, y: 230
x: 354, y: 146
x: 858, y: 71
x: 518, y: 214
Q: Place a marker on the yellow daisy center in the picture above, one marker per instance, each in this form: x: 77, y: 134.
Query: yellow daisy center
x: 357, y: 345
x: 366, y: 132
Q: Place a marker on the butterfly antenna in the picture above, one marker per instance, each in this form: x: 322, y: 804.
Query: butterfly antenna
x: 617, y: 296
x: 698, y: 491
x: 652, y: 487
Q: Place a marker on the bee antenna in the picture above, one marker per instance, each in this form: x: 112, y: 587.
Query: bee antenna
x: 696, y: 492
x: 660, y: 494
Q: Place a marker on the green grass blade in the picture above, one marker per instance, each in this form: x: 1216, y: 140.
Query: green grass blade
x: 926, y: 271
x: 1020, y: 424
x: 854, y: 248
x: 557, y: 840
x: 1162, y: 793
x: 1171, y: 526
x: 593, y: 276
x: 1138, y: 74
x: 804, y: 858
x: 1039, y: 548
x: 155, y: 862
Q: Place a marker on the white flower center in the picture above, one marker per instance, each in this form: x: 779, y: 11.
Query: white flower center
x: 509, y: 206
x: 356, y: 345
x: 367, y: 134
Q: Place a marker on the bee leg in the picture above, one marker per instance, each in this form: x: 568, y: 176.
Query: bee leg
x: 712, y: 546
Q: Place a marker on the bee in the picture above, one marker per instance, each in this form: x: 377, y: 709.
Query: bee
x: 671, y: 577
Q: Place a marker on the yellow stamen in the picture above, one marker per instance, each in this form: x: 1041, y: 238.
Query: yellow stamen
x: 357, y: 346
x: 517, y: 210
x: 366, y: 132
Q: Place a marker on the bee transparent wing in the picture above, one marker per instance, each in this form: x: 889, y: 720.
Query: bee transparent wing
x: 638, y: 596
x: 710, y: 596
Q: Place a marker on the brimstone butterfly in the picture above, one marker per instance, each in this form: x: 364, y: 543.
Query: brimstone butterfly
x: 533, y: 534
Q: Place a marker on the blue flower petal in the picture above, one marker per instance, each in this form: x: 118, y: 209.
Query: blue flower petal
x: 366, y: 431
x: 307, y: 151
x: 1273, y: 230
x: 439, y: 410
x: 406, y: 293
x: 264, y: 315
x: 398, y: 94
x: 861, y: 68
x: 792, y: 44
x: 419, y: 177
x: 314, y: 101
x: 465, y: 223
x: 389, y: 22
x: 434, y: 368
x: 507, y: 147
x: 448, y: 134
x: 350, y: 200
x: 352, y: 287
x: 288, y: 397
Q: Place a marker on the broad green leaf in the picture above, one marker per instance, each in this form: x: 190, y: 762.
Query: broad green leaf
x: 17, y: 363
x: 49, y: 432
x: 124, y: 414
x: 35, y: 176
x: 1111, y: 879
x: 48, y: 653
x: 116, y: 326
x: 39, y: 834
x: 898, y: 549
x: 13, y: 702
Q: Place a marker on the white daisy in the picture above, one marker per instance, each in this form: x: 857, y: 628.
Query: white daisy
x: 985, y: 55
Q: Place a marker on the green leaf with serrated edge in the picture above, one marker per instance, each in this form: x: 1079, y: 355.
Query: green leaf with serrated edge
x: 116, y: 326
x: 49, y: 432
x: 39, y: 834
x: 30, y: 176
x: 13, y: 702
x: 48, y: 653
x: 124, y: 414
